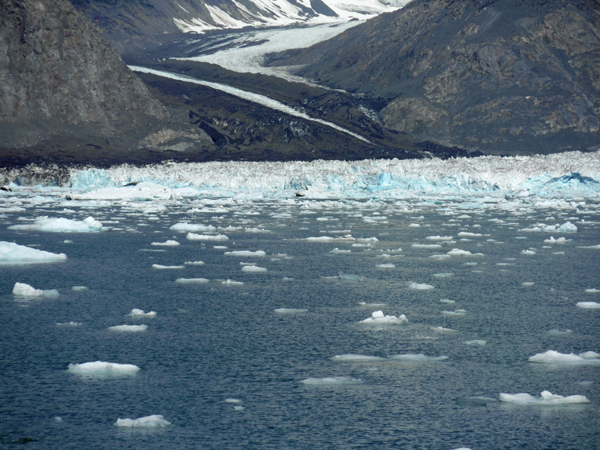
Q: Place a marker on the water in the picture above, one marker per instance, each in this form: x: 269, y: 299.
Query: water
x: 211, y: 342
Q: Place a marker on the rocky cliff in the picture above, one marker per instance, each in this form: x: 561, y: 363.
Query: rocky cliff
x: 60, y: 79
x: 509, y: 76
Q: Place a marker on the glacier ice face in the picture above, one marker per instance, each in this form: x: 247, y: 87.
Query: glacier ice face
x: 554, y: 179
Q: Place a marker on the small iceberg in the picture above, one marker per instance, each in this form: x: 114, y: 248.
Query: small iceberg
x: 229, y: 282
x: 588, y: 305
x: 61, y: 225
x: 420, y: 286
x: 207, y: 237
x: 15, y: 254
x: 103, y: 369
x: 546, y: 398
x: 417, y: 358
x: 246, y: 253
x: 554, y: 357
x: 161, y: 267
x: 290, y: 310
x: 386, y: 266
x: 254, y: 269
x: 169, y: 243
x: 129, y: 328
x: 331, y: 381
x: 24, y: 290
x: 378, y: 318
x: 139, y: 313
x: 351, y: 277
x: 350, y: 357
x: 154, y: 421
x: 476, y: 343
x: 340, y: 252
x: 191, y: 280
x: 192, y: 227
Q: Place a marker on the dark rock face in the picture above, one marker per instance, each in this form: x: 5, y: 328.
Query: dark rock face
x: 510, y: 76
x: 60, y: 77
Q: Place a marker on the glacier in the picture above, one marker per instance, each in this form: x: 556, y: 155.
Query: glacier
x: 543, y: 180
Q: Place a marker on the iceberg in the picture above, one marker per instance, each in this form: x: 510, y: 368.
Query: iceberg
x: 246, y: 253
x: 24, y: 290
x: 129, y: 328
x: 192, y: 227
x: 350, y: 357
x: 253, y: 269
x: 206, y: 237
x: 139, y: 313
x: 191, y: 280
x: 169, y: 243
x: 554, y: 357
x: 103, y: 369
x: 331, y: 381
x: 546, y: 398
x: 417, y: 358
x: 11, y: 253
x: 61, y: 225
x: 420, y: 286
x: 566, y: 227
x: 588, y: 305
x: 154, y: 421
x: 378, y: 318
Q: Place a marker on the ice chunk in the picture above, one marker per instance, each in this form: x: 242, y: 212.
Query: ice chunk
x: 420, y: 286
x: 560, y: 332
x: 439, y: 238
x: 191, y: 280
x: 69, y: 324
x: 445, y: 300
x: 588, y: 305
x: 443, y: 275
x: 233, y: 400
x: 194, y: 263
x: 476, y: 342
x: 79, y: 288
x: 206, y: 237
x: 566, y: 227
x: 11, y: 253
x: 457, y: 313
x: 338, y: 251
x: 527, y: 283
x: 138, y: 313
x: 331, y: 381
x: 527, y: 252
x: 560, y: 240
x: 24, y: 290
x: 378, y: 318
x: 546, y: 398
x: 386, y: 266
x: 290, y: 310
x: 129, y: 328
x: 554, y: 357
x: 61, y: 225
x: 161, y: 267
x: 592, y: 291
x: 154, y: 421
x: 459, y: 252
x: 351, y: 277
x: 417, y: 358
x: 232, y: 283
x: 417, y: 245
x: 101, y: 368
x: 253, y: 269
x: 467, y: 233
x: 191, y: 227
x: 246, y: 253
x: 414, y: 225
x: 356, y: 358
x: 168, y: 243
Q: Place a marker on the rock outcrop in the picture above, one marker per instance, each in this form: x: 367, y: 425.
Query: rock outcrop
x: 504, y: 76
x: 60, y: 78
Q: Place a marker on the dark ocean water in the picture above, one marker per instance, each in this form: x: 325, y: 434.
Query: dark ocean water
x: 211, y: 342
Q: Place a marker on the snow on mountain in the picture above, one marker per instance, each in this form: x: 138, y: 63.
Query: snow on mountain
x: 261, y: 13
x: 564, y: 176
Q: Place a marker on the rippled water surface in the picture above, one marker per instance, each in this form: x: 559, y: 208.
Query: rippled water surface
x: 226, y: 370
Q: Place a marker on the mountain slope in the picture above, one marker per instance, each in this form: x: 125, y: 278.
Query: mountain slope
x: 60, y: 77
x: 493, y: 75
x: 133, y: 25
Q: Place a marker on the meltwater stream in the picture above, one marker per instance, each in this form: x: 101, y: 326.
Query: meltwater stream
x: 260, y: 340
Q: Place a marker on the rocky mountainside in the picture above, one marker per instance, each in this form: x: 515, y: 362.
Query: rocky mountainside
x: 59, y: 76
x: 135, y: 25
x: 491, y: 75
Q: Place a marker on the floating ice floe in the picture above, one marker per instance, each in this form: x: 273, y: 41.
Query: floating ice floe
x: 331, y: 381
x: 546, y: 398
x: 350, y: 357
x: 246, y: 253
x: 378, y: 318
x: 254, y: 269
x: 25, y: 290
x: 439, y: 238
x: 191, y: 280
x: 79, y: 288
x: 229, y: 282
x: 338, y: 251
x: 417, y: 245
x: 527, y: 283
x: 420, y: 286
x: 468, y: 233
x: 458, y: 312
x: 351, y: 277
x: 554, y: 357
x: 194, y: 263
x: 560, y: 332
x: 476, y: 342
x: 11, y: 253
x: 560, y: 240
x: 459, y: 252
x: 446, y: 300
x: 416, y: 358
x: 61, y: 225
x: 206, y: 237
x: 154, y: 421
x: 443, y: 275
x: 588, y: 305
x: 169, y: 243
x: 528, y: 252
x: 592, y: 291
x: 566, y: 227
x: 597, y: 247
x: 385, y: 266
x: 69, y: 324
x: 161, y: 267
x: 192, y: 227
x: 101, y: 368
x: 139, y: 313
x: 129, y: 328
